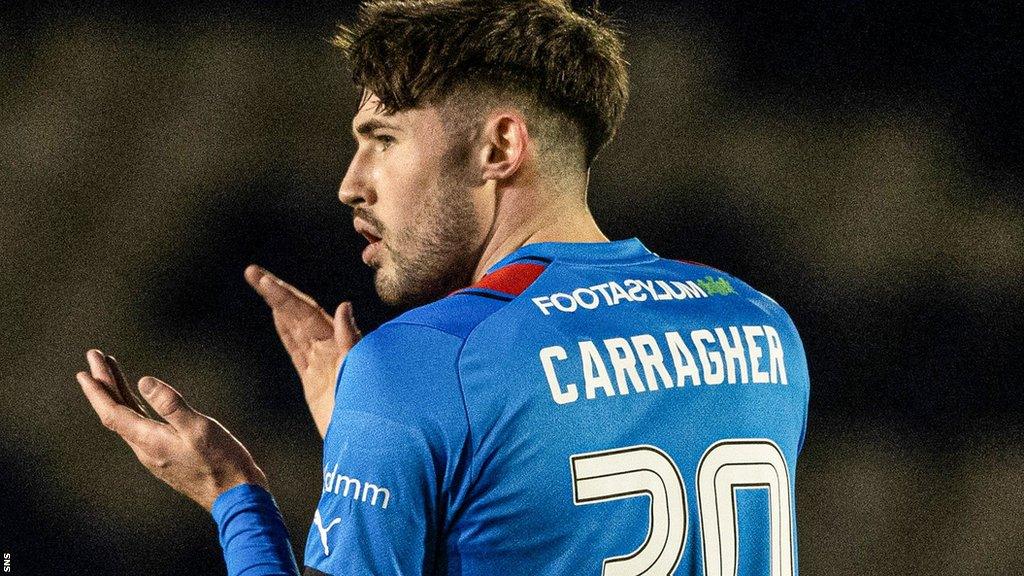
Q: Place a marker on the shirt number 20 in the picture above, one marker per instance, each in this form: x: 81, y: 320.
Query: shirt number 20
x: 727, y: 465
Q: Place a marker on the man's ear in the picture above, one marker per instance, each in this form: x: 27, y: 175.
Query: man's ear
x: 506, y: 144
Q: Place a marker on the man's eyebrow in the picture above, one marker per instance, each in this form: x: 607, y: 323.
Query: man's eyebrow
x: 368, y: 126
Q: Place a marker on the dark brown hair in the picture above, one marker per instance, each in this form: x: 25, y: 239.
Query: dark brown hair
x: 411, y: 53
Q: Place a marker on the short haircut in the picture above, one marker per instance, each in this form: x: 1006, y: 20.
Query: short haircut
x: 412, y: 53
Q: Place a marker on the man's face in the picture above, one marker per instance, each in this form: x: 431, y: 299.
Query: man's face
x: 412, y: 191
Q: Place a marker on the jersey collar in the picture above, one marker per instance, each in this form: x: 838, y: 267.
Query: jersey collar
x: 628, y: 251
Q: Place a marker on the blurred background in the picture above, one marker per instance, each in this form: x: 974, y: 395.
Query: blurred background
x: 859, y: 162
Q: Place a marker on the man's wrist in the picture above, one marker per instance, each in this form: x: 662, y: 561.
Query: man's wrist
x: 252, y: 478
x: 235, y: 493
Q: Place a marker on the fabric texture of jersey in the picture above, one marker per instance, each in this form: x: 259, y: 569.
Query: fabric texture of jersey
x: 252, y: 533
x: 583, y: 406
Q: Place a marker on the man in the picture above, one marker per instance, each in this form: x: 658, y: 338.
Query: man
x: 549, y: 378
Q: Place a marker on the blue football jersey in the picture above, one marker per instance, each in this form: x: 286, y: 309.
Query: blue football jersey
x: 583, y: 409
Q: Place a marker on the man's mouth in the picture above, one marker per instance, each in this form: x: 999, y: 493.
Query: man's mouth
x: 368, y: 230
x: 372, y: 236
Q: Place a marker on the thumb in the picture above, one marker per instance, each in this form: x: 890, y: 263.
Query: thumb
x: 346, y: 333
x: 167, y: 402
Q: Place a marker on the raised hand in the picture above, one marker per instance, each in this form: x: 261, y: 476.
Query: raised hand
x: 190, y: 452
x: 315, y: 341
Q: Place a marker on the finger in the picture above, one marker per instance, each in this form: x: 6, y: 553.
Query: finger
x: 286, y: 299
x: 346, y: 333
x: 114, y: 416
x: 274, y: 290
x: 99, y: 370
x: 168, y: 403
x: 131, y: 399
x: 252, y: 274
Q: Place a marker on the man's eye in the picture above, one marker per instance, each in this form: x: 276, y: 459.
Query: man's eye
x: 384, y: 141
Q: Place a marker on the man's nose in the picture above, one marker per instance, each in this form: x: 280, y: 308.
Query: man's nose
x: 356, y: 187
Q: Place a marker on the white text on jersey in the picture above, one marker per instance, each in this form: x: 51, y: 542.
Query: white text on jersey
x: 612, y: 293
x: 334, y: 483
x: 733, y: 354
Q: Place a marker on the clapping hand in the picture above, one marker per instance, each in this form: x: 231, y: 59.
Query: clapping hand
x: 190, y: 451
x: 315, y: 341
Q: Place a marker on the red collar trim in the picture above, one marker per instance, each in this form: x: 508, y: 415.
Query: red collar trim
x: 511, y: 279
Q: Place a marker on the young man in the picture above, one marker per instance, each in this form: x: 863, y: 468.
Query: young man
x: 549, y: 378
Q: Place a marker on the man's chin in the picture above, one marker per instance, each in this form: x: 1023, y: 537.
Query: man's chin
x: 393, y: 293
x: 388, y: 290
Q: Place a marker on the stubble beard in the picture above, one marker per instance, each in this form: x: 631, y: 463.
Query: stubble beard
x: 435, y: 255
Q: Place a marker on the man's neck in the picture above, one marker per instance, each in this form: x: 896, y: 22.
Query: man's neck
x: 566, y: 222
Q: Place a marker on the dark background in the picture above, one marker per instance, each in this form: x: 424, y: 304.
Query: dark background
x: 858, y: 162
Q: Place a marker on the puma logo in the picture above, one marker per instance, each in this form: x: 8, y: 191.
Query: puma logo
x: 319, y: 522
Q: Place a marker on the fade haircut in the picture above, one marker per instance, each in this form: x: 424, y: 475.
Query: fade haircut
x: 564, y: 69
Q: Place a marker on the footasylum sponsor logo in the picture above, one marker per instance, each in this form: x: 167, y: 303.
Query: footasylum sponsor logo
x: 613, y: 293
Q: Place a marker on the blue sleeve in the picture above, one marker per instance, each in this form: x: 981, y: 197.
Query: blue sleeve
x: 395, y: 449
x: 252, y: 533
